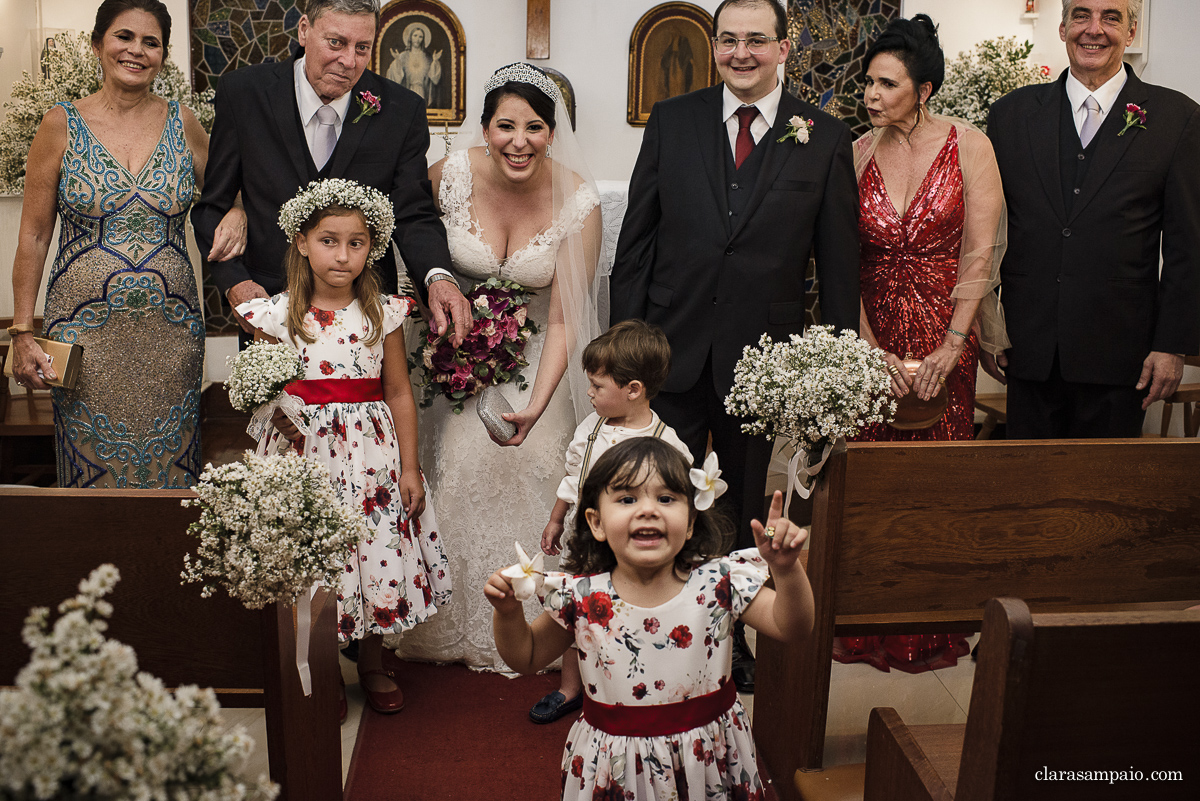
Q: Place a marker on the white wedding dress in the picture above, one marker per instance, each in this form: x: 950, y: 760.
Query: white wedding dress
x: 487, y: 497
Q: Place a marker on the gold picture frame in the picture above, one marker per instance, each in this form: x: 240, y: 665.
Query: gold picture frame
x: 420, y: 45
x: 670, y: 53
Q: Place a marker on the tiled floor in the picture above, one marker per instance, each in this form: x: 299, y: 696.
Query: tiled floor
x: 940, y: 696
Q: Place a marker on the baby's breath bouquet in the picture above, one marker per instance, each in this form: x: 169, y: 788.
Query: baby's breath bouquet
x: 257, y: 378
x: 83, y: 723
x: 270, y: 527
x: 813, y: 391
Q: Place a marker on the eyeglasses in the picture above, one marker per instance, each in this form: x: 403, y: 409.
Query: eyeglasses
x: 755, y: 44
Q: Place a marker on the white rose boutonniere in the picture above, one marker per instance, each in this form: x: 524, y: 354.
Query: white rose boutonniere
x: 798, y: 129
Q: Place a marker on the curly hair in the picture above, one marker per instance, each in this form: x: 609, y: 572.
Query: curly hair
x: 625, y: 466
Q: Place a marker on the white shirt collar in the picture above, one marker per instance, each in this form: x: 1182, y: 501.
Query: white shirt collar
x: 1105, y: 94
x: 307, y: 100
x: 768, y: 106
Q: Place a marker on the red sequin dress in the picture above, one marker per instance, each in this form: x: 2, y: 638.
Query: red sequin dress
x: 909, y: 265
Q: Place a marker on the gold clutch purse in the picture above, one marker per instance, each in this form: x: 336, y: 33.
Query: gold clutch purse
x: 64, y: 357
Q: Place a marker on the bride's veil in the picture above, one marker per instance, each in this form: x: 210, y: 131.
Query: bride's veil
x: 581, y: 283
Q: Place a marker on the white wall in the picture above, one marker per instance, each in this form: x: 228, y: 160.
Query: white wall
x: 963, y: 23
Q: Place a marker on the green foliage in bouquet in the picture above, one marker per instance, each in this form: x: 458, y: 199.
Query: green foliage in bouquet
x: 72, y: 73
x: 977, y: 79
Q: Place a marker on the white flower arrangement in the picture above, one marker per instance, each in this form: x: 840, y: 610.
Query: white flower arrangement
x: 84, y: 723
x: 269, y: 529
x: 376, y: 208
x: 259, y: 373
x: 72, y: 73
x: 811, y: 390
x: 977, y: 79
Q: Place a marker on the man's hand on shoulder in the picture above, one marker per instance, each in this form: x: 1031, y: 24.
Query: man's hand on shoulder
x: 1161, y: 372
x: 446, y: 304
x: 239, y: 294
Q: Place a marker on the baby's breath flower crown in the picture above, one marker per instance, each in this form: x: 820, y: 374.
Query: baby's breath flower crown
x: 376, y: 208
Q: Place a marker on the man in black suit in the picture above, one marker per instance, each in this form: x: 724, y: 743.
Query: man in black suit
x: 715, y: 253
x: 279, y: 126
x: 1098, y: 333
x: 721, y: 220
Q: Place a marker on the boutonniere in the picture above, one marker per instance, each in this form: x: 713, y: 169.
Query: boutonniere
x: 798, y: 129
x: 368, y: 106
x: 1135, y: 117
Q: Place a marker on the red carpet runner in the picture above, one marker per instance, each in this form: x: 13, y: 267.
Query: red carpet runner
x: 462, y: 736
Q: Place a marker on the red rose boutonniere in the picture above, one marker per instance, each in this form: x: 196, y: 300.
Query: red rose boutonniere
x: 1135, y: 117
x: 368, y: 106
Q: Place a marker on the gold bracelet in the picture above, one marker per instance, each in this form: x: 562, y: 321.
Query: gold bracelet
x: 20, y: 328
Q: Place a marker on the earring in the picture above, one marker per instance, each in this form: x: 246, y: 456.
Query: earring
x: 487, y: 148
x: 547, y: 151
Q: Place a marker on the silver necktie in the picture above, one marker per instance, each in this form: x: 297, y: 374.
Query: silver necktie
x: 1091, y: 122
x: 326, y: 138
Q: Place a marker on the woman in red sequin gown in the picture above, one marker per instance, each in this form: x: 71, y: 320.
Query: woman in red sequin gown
x: 930, y: 209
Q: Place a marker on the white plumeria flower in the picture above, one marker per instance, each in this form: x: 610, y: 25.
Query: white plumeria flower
x: 527, y: 576
x: 709, y: 485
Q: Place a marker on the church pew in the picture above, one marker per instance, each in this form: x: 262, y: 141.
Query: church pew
x: 915, y: 538
x: 52, y: 538
x: 1083, y: 692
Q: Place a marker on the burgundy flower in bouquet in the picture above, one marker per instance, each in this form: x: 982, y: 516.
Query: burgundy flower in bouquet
x: 493, y: 352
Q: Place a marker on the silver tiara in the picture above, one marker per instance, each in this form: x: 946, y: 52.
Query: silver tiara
x: 523, y: 73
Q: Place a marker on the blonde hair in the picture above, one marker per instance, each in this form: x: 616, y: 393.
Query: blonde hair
x: 300, y: 282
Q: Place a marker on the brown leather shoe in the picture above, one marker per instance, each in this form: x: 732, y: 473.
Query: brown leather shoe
x: 386, y: 703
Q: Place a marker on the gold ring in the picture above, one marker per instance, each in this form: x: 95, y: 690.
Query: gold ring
x: 941, y: 380
x: 770, y: 532
x: 893, y: 369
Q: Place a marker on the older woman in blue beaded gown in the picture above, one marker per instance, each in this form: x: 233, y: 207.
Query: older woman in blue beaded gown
x: 119, y: 167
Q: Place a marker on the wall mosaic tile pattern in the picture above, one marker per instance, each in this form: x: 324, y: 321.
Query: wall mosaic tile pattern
x: 829, y: 39
x: 227, y: 34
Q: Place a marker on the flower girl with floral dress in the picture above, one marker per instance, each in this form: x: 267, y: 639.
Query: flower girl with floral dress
x: 360, y: 414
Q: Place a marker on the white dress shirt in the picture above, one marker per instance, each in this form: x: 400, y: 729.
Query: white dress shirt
x: 308, y: 103
x: 767, y: 106
x: 1105, y: 94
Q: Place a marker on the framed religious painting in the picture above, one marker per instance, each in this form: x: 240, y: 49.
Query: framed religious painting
x: 568, y: 91
x: 420, y: 45
x: 670, y: 53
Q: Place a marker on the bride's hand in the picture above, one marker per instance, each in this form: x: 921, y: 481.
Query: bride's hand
x: 523, y: 420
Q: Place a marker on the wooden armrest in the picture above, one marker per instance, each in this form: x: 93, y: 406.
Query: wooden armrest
x: 897, y: 767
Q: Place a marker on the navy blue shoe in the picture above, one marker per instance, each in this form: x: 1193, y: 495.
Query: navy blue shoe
x: 554, y: 706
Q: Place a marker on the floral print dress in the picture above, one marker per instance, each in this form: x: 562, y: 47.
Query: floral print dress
x: 399, y: 576
x: 634, y: 656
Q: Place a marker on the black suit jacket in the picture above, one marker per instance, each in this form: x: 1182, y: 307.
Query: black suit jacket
x: 1086, y: 283
x: 258, y: 148
x: 679, y: 264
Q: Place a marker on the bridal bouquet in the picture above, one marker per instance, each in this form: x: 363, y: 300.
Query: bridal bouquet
x: 257, y: 378
x: 270, y: 527
x: 83, y: 723
x: 493, y: 352
x: 813, y: 391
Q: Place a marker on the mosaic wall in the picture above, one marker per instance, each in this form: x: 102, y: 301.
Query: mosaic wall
x: 829, y: 40
x: 227, y: 34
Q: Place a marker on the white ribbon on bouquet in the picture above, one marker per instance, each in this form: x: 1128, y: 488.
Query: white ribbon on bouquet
x: 802, y: 476
x: 290, y: 405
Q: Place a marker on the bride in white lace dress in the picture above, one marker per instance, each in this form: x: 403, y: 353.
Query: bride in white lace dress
x: 513, y: 211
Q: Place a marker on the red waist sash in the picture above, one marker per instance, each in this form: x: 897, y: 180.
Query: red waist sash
x: 337, y: 390
x: 659, y: 720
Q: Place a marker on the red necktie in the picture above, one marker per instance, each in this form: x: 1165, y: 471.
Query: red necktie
x: 744, y: 142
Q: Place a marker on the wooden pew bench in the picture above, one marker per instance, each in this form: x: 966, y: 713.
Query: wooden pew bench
x: 52, y: 539
x: 916, y: 538
x: 1084, y: 692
